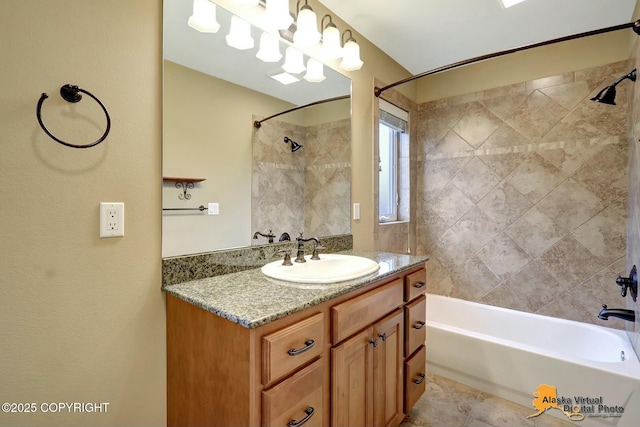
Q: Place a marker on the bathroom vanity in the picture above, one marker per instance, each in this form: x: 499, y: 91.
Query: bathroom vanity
x: 247, y: 350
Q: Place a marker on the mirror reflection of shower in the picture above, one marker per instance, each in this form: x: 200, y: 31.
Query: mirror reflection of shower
x: 294, y: 145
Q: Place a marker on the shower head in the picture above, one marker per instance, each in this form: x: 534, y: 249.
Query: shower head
x: 294, y: 145
x: 608, y: 94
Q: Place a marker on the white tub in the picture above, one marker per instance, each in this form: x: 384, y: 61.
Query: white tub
x: 510, y: 353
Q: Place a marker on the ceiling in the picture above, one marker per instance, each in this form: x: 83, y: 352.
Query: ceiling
x: 209, y: 53
x: 425, y: 34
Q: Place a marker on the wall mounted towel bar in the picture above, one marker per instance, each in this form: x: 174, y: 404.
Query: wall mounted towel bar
x: 200, y: 208
x: 71, y: 93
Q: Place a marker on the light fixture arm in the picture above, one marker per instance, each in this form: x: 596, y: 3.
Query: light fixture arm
x: 633, y: 25
x: 350, y: 36
x: 330, y: 23
x: 306, y: 4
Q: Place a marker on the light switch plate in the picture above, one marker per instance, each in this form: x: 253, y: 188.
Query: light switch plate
x: 214, y: 208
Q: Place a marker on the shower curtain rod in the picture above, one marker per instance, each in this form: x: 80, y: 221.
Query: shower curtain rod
x: 635, y: 25
x: 258, y: 123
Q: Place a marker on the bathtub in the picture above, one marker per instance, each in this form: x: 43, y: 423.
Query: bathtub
x: 509, y: 354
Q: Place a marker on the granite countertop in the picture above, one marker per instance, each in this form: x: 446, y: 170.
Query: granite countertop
x: 252, y: 299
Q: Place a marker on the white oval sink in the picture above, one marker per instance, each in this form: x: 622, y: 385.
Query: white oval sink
x: 329, y: 268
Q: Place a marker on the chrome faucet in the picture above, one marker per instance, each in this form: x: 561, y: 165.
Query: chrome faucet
x: 301, y: 240
x: 620, y: 313
x: 269, y: 236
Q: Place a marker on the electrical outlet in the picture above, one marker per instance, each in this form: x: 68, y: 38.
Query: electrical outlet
x: 111, y: 219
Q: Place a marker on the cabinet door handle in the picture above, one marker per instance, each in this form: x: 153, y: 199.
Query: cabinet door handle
x: 420, y: 379
x: 307, y: 345
x: 419, y: 285
x: 294, y: 423
x: 374, y: 343
x: 419, y: 325
x: 383, y: 336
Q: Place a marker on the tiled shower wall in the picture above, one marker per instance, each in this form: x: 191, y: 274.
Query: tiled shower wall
x: 307, y: 190
x: 522, y: 195
x: 633, y: 225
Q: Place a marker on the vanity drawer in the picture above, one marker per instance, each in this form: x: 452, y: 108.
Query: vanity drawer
x: 415, y: 284
x: 297, y: 398
x: 357, y: 313
x: 287, y: 349
x: 414, y: 378
x: 415, y: 316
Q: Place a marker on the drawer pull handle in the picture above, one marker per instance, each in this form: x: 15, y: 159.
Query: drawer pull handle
x: 383, y: 336
x: 307, y: 345
x: 419, y: 325
x: 374, y: 343
x: 419, y: 285
x: 420, y: 379
x: 294, y: 423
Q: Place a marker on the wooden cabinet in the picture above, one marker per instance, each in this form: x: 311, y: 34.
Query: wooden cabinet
x: 415, y: 336
x: 344, y: 362
x: 375, y: 355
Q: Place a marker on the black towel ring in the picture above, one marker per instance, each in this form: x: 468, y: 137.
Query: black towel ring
x: 71, y: 93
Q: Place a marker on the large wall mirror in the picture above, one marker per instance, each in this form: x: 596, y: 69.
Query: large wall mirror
x: 247, y: 179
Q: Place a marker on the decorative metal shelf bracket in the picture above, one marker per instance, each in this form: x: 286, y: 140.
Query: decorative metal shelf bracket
x: 185, y: 186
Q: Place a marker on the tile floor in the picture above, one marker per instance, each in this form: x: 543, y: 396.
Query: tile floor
x: 450, y: 404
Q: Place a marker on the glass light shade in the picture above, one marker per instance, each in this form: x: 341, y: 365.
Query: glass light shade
x: 315, y: 71
x: 248, y: 2
x: 351, y: 56
x: 293, y: 62
x: 277, y: 15
x: 307, y: 32
x: 331, y: 48
x: 269, y: 48
x: 239, y: 34
x: 203, y: 18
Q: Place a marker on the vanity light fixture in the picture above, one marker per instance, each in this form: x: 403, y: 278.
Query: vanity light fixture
x: 509, y: 3
x: 203, y: 18
x: 331, y: 48
x: 350, y: 54
x: 239, y: 34
x: 277, y: 14
x: 269, y: 48
x: 315, y: 71
x: 307, y: 33
x: 283, y: 77
x: 608, y: 94
x: 293, y: 62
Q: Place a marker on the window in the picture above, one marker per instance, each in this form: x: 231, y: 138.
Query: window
x: 392, y: 127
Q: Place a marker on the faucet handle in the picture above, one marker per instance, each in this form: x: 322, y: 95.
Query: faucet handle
x: 316, y: 247
x: 287, y: 256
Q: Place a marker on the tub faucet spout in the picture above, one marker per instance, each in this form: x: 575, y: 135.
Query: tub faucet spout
x: 620, y: 313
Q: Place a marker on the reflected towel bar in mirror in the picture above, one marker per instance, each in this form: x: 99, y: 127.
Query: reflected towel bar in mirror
x: 200, y: 208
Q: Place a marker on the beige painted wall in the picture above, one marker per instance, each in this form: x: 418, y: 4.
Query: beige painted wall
x: 82, y: 318
x: 527, y: 65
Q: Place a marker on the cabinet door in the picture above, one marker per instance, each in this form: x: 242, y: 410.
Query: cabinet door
x: 352, y: 381
x: 387, y: 370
